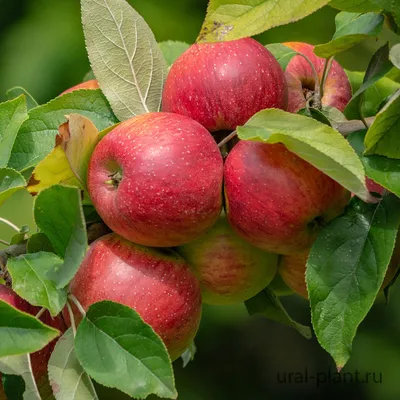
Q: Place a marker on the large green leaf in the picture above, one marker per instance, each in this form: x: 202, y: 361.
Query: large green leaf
x: 39, y: 242
x: 319, y: 144
x: 172, y: 49
x: 373, y: 96
x: 13, y: 385
x: 266, y: 303
x: 124, y: 55
x: 36, y: 137
x: 351, y: 28
x: 383, y: 136
x: 59, y: 215
x: 22, y: 333
x: 29, y: 273
x: 228, y: 19
x: 383, y: 170
x: 12, y: 115
x: 392, y: 6
x: 354, y: 5
x: 10, y: 182
x: 282, y: 53
x: 377, y: 68
x: 117, y: 349
x: 18, y: 91
x: 67, y: 377
x: 21, y: 365
x: 346, y: 268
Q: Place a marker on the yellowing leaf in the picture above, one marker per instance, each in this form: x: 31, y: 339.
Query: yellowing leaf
x: 52, y: 170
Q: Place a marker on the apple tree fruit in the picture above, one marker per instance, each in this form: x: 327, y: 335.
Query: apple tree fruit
x: 224, y: 171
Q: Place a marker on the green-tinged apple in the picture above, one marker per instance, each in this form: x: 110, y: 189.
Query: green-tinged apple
x: 229, y: 269
x: 91, y: 84
x: 276, y: 200
x: 292, y: 269
x: 301, y: 80
x: 157, y: 283
x: 40, y: 358
x: 156, y: 179
x: 221, y: 85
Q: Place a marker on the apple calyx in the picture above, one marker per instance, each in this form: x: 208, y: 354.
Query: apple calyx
x: 115, y: 179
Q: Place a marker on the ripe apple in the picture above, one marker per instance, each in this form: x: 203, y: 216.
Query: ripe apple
x: 221, y: 85
x: 91, y: 84
x: 156, y: 179
x: 301, y: 80
x: 157, y: 283
x: 230, y: 270
x: 277, y: 201
x: 292, y: 269
x: 40, y: 358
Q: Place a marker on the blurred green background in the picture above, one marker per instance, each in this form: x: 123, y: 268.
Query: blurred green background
x: 42, y: 49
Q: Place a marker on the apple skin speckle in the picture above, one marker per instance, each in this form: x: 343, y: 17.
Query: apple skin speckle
x: 221, y: 85
x: 170, y: 187
x: 156, y: 283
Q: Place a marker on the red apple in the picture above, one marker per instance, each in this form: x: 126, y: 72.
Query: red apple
x: 91, y: 84
x: 301, y: 79
x: 230, y: 270
x: 277, y: 201
x: 40, y: 358
x: 221, y: 85
x: 292, y: 269
x: 157, y: 283
x: 156, y: 179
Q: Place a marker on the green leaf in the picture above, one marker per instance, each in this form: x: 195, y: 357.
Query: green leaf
x: 13, y: 385
x: 378, y: 67
x: 67, y: 377
x: 351, y: 28
x: 29, y: 273
x: 373, y: 95
x: 318, y: 144
x: 124, y: 56
x: 354, y: 5
x: 172, y: 49
x: 266, y: 303
x: 36, y: 137
x: 12, y: 115
x: 395, y: 55
x: 21, y: 365
x: 346, y: 268
x: 22, y: 333
x: 10, y: 182
x: 21, y: 236
x: 383, y: 170
x: 18, y: 91
x: 313, y: 113
x: 117, y: 349
x: 59, y: 215
x: 282, y: 53
x: 39, y: 242
x: 188, y: 354
x: 229, y: 20
x: 392, y: 6
x: 383, y: 137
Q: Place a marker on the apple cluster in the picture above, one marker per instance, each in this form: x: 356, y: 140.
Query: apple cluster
x: 189, y: 225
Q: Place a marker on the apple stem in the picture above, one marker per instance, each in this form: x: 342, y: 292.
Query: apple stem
x: 327, y: 68
x: 4, y: 242
x: 71, y: 318
x: 10, y: 224
x: 78, y: 305
x: 227, y: 139
x: 317, y: 91
x: 40, y: 313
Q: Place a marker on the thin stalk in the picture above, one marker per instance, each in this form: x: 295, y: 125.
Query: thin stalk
x: 227, y: 139
x: 71, y: 318
x: 78, y: 305
x: 10, y: 224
